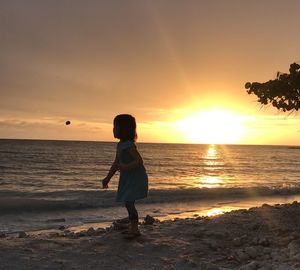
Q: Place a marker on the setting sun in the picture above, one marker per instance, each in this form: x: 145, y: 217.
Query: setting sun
x: 213, y: 126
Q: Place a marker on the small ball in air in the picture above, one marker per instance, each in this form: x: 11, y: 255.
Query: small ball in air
x: 68, y: 123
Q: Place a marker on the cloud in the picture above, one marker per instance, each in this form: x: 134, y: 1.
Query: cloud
x: 14, y: 123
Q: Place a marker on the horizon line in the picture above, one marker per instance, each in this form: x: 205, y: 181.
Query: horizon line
x: 143, y: 142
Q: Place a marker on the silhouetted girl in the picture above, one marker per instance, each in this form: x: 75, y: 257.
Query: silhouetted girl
x: 133, y: 181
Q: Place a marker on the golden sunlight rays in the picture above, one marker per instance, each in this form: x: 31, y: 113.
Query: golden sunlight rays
x: 212, y: 127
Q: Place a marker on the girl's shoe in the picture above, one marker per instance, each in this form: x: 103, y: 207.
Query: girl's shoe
x: 133, y: 230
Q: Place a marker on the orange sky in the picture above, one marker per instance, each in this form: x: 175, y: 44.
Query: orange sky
x: 177, y: 66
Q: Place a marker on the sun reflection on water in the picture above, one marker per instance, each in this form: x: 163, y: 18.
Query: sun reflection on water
x: 219, y: 210
x: 210, y: 161
x: 215, y: 212
x: 211, y: 152
x: 211, y: 181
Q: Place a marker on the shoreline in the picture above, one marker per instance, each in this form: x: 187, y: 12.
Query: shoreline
x: 262, y: 238
x: 102, y: 218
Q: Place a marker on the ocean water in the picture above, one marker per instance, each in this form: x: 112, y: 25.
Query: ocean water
x: 42, y: 182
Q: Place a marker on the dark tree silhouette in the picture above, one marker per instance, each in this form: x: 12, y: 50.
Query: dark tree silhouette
x: 283, y: 92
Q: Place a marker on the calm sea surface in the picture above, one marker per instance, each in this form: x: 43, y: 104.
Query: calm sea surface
x: 44, y: 176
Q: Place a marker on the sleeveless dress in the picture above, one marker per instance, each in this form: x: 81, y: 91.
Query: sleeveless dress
x: 133, y: 184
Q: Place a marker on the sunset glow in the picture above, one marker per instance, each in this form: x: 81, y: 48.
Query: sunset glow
x: 179, y: 67
x: 214, y: 126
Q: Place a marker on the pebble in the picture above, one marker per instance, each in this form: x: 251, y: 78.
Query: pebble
x: 296, y: 258
x: 69, y: 234
x: 210, y: 266
x: 250, y: 266
x: 2, y: 235
x: 266, y: 266
x: 199, y: 233
x: 252, y: 252
x: 218, y: 235
x: 264, y: 241
x: 91, y: 231
x: 255, y: 226
x: 213, y: 244
x: 148, y: 220
x: 100, y: 231
x: 295, y: 235
x: 22, y: 234
x: 276, y: 256
x: 237, y: 242
x: 284, y: 267
x: 294, y: 248
x: 242, y: 256
x: 81, y: 234
x: 296, y: 265
x: 267, y: 250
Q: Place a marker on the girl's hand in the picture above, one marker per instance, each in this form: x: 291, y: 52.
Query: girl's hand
x: 105, y: 182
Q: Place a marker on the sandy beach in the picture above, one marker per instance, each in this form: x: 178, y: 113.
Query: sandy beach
x: 265, y: 238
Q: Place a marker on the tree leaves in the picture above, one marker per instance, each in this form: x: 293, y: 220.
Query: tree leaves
x: 283, y: 93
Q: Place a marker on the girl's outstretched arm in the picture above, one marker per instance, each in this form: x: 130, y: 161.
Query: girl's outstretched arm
x: 114, y: 167
x: 137, y: 160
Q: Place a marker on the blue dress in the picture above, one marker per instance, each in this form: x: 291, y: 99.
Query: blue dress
x: 133, y: 184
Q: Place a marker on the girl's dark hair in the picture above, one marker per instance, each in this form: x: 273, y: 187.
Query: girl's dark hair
x: 126, y: 127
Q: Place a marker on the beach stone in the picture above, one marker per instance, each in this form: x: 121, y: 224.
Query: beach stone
x: 22, y: 234
x: 209, y: 266
x: 241, y: 255
x: 296, y: 265
x: 218, y: 235
x: 284, y: 241
x: 266, y: 266
x: 255, y: 226
x: 2, y: 235
x: 295, y: 235
x: 276, y: 256
x: 264, y: 241
x: 267, y: 250
x: 100, y: 231
x: 213, y: 245
x: 62, y: 227
x: 119, y: 226
x: 91, y: 231
x: 238, y: 241
x: 266, y: 258
x: 252, y: 252
x: 81, y: 234
x: 294, y: 248
x: 148, y: 220
x: 284, y: 267
x: 198, y: 234
x: 250, y: 266
x: 69, y: 234
x: 254, y: 241
x: 296, y: 258
x: 285, y: 252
